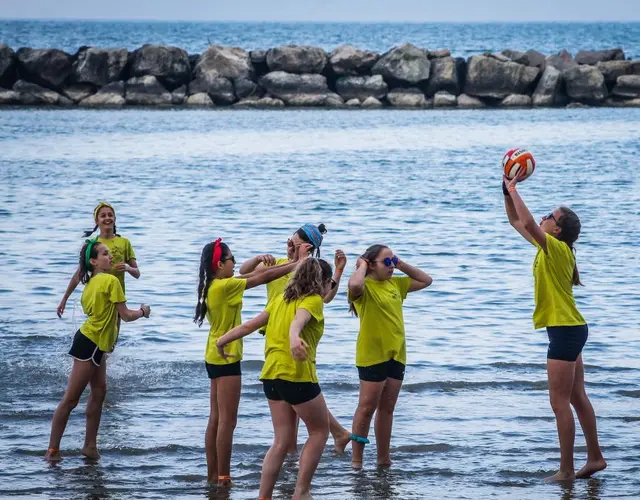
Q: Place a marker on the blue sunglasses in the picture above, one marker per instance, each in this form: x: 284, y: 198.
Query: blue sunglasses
x: 388, y: 261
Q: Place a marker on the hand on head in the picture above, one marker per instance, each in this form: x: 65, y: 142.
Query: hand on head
x: 302, y: 252
x: 361, y: 262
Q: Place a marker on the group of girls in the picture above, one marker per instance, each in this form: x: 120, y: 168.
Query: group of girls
x: 292, y: 323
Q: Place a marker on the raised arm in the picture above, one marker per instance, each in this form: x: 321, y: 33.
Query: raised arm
x: 419, y: 279
x: 73, y: 284
x: 269, y: 274
x: 524, y: 216
x: 240, y: 331
x: 257, y: 263
x: 132, y: 314
x: 513, y: 215
x: 340, y: 262
x: 356, y: 281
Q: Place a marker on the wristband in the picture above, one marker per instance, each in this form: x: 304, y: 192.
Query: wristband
x: 142, y: 311
x: 505, y: 191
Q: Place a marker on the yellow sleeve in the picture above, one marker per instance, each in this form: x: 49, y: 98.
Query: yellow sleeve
x: 234, y: 290
x: 114, y: 291
x: 402, y: 283
x: 314, y: 305
x: 128, y: 251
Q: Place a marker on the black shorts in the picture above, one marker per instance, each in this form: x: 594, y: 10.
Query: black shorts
x: 566, y: 342
x: 227, y: 370
x: 382, y: 371
x: 293, y: 393
x: 84, y: 349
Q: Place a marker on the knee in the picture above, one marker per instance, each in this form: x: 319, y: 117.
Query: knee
x: 69, y: 403
x: 386, y: 408
x: 99, y: 392
x: 579, y: 399
x: 228, y: 421
x: 559, y: 404
x: 367, y: 409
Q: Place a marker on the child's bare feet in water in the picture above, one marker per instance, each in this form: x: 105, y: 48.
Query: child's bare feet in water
x: 384, y: 462
x: 560, y: 476
x: 341, y: 441
x: 52, y: 455
x: 356, y: 464
x: 224, y: 482
x: 590, y: 468
x: 91, y: 452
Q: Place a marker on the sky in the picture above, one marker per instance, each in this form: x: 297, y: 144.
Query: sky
x: 326, y: 10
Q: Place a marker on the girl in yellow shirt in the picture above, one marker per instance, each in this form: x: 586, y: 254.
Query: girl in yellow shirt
x: 555, y: 273
x: 220, y: 301
x: 295, y: 323
x: 376, y: 297
x: 103, y: 301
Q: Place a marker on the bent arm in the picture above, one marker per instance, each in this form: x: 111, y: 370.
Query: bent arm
x: 246, y: 328
x: 356, y: 282
x: 133, y: 270
x: 419, y: 279
x: 528, y: 222
x: 128, y: 314
x: 266, y: 275
x: 253, y: 264
x: 334, y: 291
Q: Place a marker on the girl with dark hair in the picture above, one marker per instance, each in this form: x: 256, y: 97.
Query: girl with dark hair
x: 103, y: 301
x: 555, y: 273
x: 376, y: 297
x: 220, y: 301
x: 294, y: 325
x: 124, y: 258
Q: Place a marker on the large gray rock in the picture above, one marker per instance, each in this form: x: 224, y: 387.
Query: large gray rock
x: 220, y: 89
x: 444, y: 76
x: 585, y: 83
x: 488, y: 77
x: 226, y: 62
x: 179, y: 95
x: 286, y: 86
x: 32, y: 94
x: 444, y: 99
x: 516, y: 101
x: 47, y: 67
x: 406, y: 98
x: 7, y: 66
x: 170, y: 65
x: 371, y: 103
x: 535, y: 58
x: 627, y: 86
x: 516, y: 56
x: 313, y: 100
x: 255, y: 102
x: 407, y: 64
x: 353, y: 103
x: 244, y: 88
x: 9, y: 97
x: 258, y: 57
x: 200, y: 100
x: 99, y: 67
x: 109, y: 96
x: 435, y: 54
x: 79, y: 91
x: 361, y: 87
x: 622, y: 103
x: 297, y: 59
x: 146, y: 91
x: 562, y: 60
x: 347, y: 60
x: 595, y: 56
x: 549, y: 89
x: 611, y: 70
x: 468, y: 102
x: 499, y: 57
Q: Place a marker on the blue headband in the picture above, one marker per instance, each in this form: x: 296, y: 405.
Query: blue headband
x: 314, y: 234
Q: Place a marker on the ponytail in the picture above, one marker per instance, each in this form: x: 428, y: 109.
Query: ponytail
x: 85, y: 268
x: 206, y: 275
x: 570, y: 226
x: 86, y: 234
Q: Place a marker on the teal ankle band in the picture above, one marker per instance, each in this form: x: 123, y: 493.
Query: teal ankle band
x: 359, y: 439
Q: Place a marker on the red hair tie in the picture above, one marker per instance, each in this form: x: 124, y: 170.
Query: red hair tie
x: 217, y: 254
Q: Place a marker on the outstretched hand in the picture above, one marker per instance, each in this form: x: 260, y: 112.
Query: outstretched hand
x: 340, y: 260
x: 520, y: 176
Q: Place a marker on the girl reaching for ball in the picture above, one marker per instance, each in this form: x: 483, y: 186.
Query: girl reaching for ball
x: 103, y: 301
x: 555, y: 273
x: 376, y: 297
x: 220, y: 301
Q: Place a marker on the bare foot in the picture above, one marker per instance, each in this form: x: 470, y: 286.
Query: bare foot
x: 52, y: 455
x: 356, y: 464
x: 560, y: 476
x: 590, y: 468
x: 302, y: 496
x: 384, y: 462
x: 91, y: 452
x: 224, y: 482
x: 341, y: 442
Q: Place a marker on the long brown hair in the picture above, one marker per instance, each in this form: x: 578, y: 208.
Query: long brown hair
x: 369, y: 255
x: 309, y: 279
x: 206, y: 275
x: 570, y: 226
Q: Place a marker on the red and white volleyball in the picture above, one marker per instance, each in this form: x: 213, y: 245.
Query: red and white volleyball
x: 514, y: 160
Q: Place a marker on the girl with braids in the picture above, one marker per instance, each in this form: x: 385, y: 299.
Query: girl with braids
x: 555, y: 273
x: 220, y: 301
x: 124, y: 258
x: 102, y: 301
x: 376, y: 297
x: 294, y: 325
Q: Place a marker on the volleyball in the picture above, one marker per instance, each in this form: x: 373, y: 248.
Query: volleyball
x: 514, y: 160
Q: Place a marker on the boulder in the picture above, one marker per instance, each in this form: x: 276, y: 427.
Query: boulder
x: 258, y: 56
x: 79, y: 91
x: 634, y: 69
x: 435, y: 54
x: 257, y: 102
x: 193, y: 61
x: 549, y: 91
x: 444, y: 99
x: 562, y: 60
x: 627, y: 86
x: 179, y: 95
x: 111, y: 95
x: 611, y: 70
x: 516, y: 56
x: 99, y: 67
x: 406, y: 64
x: 406, y: 98
x: 170, y: 65
x: 9, y: 97
x: 220, y: 89
x: 444, y: 76
x: 244, y: 87
x: 516, y: 101
x: 622, y: 103
x: 361, y: 87
x: 311, y: 100
x: 371, y: 103
x: 146, y: 91
x: 346, y: 60
x: 467, y: 102
x: 593, y: 57
x: 201, y: 100
x: 585, y: 83
x: 286, y: 86
x: 7, y: 66
x: 499, y: 57
x: 46, y: 67
x: 353, y: 103
x: 535, y: 58
x: 296, y: 59
x: 488, y: 77
x: 225, y: 62
x: 334, y: 101
x: 32, y: 94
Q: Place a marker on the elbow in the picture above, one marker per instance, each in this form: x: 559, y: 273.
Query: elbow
x: 428, y: 281
x: 530, y: 225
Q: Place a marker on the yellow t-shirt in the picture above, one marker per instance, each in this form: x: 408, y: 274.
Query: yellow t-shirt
x: 224, y: 307
x: 379, y: 308
x: 278, y: 361
x: 99, y: 300
x: 553, y: 288
x: 122, y: 251
x: 276, y: 287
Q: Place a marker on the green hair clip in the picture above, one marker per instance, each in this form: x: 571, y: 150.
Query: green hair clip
x: 87, y: 251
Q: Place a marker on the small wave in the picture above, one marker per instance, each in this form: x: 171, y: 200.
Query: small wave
x: 525, y: 473
x: 453, y: 385
x: 421, y: 448
x: 629, y: 394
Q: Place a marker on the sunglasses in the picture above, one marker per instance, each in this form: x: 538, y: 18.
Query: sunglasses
x: 232, y: 259
x: 388, y: 261
x: 550, y: 216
